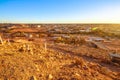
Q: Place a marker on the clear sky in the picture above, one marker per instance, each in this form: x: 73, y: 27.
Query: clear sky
x: 60, y: 11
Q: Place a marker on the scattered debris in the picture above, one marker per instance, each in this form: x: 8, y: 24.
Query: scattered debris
x: 33, y: 78
x: 115, y: 57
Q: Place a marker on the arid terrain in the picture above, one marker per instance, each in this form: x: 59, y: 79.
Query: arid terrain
x: 59, y: 52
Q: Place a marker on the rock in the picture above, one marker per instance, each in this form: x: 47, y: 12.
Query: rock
x: 40, y: 75
x: 50, y: 77
x: 77, y: 74
x: 74, y: 79
x: 33, y: 78
x: 5, y: 78
x: 37, y: 67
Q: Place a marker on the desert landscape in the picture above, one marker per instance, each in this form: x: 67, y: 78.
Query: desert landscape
x: 59, y: 51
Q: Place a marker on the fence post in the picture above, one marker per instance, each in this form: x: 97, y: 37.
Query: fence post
x: 45, y: 45
x: 8, y: 42
x: 1, y: 40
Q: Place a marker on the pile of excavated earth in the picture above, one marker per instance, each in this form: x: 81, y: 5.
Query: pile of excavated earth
x: 30, y: 61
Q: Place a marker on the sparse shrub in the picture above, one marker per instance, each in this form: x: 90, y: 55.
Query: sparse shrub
x: 43, y: 35
x: 72, y: 40
x: 79, y: 62
x: 31, y: 39
x: 59, y: 39
x: 18, y: 34
x: 101, y: 33
x: 50, y: 35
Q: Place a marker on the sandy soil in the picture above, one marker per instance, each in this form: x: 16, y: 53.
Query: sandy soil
x: 31, y: 61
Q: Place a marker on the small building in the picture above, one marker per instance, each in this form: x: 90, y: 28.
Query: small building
x: 86, y: 29
x: 38, y: 26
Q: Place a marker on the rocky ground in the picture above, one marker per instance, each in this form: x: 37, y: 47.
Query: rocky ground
x: 31, y: 61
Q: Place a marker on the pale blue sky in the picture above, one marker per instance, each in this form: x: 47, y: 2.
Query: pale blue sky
x: 60, y: 11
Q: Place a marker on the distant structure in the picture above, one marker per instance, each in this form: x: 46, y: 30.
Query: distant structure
x: 86, y: 29
x: 39, y: 26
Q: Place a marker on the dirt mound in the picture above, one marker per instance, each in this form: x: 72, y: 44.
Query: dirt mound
x: 37, y: 64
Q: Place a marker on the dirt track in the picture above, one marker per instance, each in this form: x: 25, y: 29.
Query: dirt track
x: 84, y: 56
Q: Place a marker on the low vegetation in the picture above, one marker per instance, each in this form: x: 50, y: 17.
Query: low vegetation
x: 71, y: 40
x: 102, y: 33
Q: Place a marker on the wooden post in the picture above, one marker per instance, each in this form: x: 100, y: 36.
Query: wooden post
x: 1, y: 40
x: 29, y: 49
x: 8, y: 42
x: 45, y: 46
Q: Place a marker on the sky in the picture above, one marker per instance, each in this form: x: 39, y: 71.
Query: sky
x: 60, y: 11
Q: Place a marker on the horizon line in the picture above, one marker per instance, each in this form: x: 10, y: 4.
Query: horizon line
x: 57, y: 23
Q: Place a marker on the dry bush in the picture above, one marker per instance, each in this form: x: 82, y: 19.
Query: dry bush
x: 50, y: 35
x: 102, y: 33
x: 31, y: 39
x: 43, y: 35
x: 79, y: 62
x: 72, y: 40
